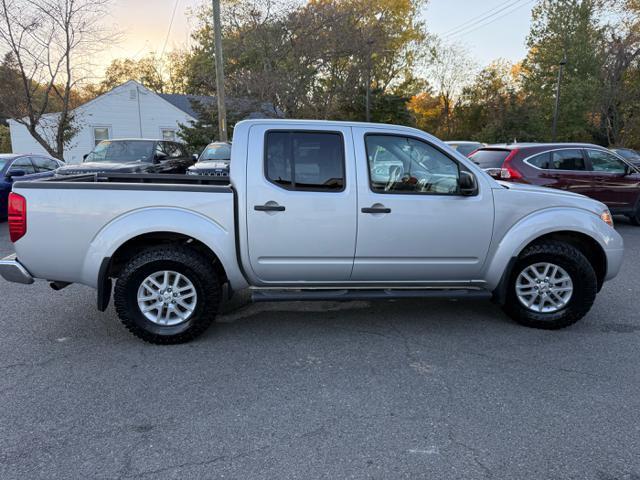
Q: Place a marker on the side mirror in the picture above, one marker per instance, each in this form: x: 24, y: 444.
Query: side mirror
x: 194, y: 157
x: 16, y: 173
x: 160, y: 157
x: 84, y: 157
x: 467, y: 184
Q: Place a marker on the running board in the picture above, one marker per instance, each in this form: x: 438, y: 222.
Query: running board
x: 269, y: 295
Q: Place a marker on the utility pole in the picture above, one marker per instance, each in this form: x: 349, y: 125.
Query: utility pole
x: 556, y: 110
x: 222, y: 109
x: 368, y: 94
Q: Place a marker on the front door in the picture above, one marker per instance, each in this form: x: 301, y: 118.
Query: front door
x: 413, y: 223
x: 617, y: 185
x: 301, y: 204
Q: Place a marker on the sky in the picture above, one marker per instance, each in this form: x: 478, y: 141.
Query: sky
x: 490, y: 29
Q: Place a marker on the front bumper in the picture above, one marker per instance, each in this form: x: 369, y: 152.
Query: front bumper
x: 13, y: 271
x: 615, y: 258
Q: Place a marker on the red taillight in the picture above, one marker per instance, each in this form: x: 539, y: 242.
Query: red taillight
x: 17, y: 217
x: 509, y: 171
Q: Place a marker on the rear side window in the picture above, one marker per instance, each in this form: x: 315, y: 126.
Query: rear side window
x: 567, y: 160
x: 24, y: 164
x: 542, y: 160
x: 45, y: 164
x: 490, y: 158
x: 311, y: 161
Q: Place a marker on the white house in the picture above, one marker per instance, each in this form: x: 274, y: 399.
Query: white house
x: 127, y: 111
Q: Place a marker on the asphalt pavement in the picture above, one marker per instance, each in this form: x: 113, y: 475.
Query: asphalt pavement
x: 435, y: 389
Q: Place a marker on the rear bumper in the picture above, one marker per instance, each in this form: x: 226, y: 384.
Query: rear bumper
x: 13, y: 271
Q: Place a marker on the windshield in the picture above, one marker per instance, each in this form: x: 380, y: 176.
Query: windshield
x: 628, y: 154
x: 490, y: 158
x: 122, y: 151
x: 216, y: 152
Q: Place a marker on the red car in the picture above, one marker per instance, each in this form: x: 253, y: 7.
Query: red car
x: 588, y: 169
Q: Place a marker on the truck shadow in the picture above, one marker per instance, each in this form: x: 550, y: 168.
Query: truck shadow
x: 416, y: 316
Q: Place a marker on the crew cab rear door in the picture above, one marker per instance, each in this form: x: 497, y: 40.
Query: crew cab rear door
x: 414, y: 225
x: 301, y: 203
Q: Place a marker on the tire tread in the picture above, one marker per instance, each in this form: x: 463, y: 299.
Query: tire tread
x: 577, y: 308
x: 192, y: 260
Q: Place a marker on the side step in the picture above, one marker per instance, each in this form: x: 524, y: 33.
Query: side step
x: 269, y: 295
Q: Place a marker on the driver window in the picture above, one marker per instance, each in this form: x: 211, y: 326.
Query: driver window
x: 605, y: 162
x: 406, y: 165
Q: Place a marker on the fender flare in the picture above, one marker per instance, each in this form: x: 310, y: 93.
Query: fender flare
x: 152, y: 220
x: 536, y: 225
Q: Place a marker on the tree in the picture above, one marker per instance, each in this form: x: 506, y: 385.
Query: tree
x: 449, y: 69
x: 199, y: 134
x: 493, y: 108
x: 5, y: 139
x: 427, y: 110
x: 315, y: 60
x: 48, y: 42
x: 565, y: 29
x: 161, y: 75
x: 620, y: 105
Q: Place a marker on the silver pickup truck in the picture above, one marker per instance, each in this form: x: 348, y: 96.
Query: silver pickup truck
x: 314, y: 210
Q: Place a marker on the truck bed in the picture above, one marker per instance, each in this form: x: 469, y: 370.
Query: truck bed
x: 72, y: 221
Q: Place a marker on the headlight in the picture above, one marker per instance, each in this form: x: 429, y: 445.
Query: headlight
x: 607, y: 218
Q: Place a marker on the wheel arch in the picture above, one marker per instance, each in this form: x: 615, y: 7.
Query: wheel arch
x: 134, y: 232
x: 579, y: 228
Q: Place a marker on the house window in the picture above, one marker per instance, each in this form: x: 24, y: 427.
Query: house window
x: 100, y: 134
x: 169, y: 134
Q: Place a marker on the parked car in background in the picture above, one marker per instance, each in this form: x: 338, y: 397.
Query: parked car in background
x: 465, y: 147
x: 628, y: 154
x: 134, y: 156
x: 214, y: 160
x: 24, y: 167
x: 587, y: 169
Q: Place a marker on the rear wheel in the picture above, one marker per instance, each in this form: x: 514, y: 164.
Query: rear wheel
x: 167, y: 295
x: 552, y: 286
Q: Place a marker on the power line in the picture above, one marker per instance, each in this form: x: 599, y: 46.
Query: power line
x: 492, y: 20
x: 497, y: 9
x: 173, y: 16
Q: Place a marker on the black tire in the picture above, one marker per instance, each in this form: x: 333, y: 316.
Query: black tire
x: 180, y: 259
x: 583, y: 277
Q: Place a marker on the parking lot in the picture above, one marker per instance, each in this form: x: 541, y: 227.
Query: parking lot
x: 419, y: 389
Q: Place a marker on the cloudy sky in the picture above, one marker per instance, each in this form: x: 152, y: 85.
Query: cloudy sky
x: 489, y: 28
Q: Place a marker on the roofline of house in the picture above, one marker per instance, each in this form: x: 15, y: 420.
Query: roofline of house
x: 93, y: 100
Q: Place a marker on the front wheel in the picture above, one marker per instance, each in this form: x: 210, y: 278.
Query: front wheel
x: 167, y: 295
x: 552, y: 286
